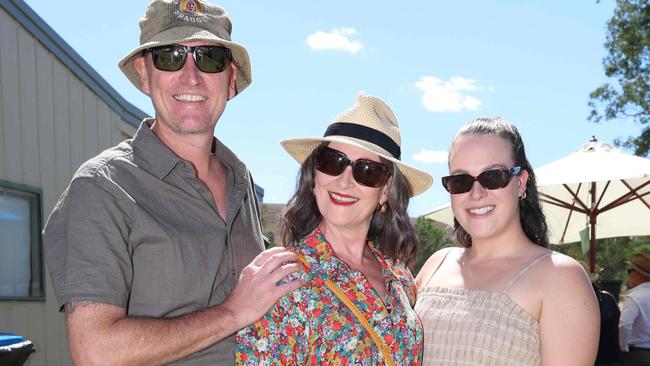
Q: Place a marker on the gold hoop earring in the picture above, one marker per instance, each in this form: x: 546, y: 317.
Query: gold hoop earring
x: 382, y: 208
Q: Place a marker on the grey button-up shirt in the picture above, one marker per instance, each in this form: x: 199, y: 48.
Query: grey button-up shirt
x: 137, y: 229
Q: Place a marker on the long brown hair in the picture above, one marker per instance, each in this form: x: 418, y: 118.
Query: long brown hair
x: 391, y: 232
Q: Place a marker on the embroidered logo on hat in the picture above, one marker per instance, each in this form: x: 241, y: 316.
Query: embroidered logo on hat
x: 189, y: 10
x: 191, y: 6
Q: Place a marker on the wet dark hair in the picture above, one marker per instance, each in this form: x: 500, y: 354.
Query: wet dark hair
x: 391, y: 232
x: 531, y: 216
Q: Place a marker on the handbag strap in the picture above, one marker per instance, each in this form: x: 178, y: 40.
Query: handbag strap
x: 362, y: 319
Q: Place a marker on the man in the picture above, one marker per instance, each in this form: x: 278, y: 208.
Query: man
x: 634, y: 327
x: 146, y: 246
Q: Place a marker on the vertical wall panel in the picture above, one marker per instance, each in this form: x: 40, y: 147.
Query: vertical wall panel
x: 75, y: 105
x: 46, y: 135
x: 61, y: 127
x: 6, y: 318
x: 126, y: 130
x: 10, y: 99
x: 54, y: 348
x: 30, y: 318
x: 4, y: 19
x: 28, y: 109
x: 104, y: 126
x: 90, y: 124
x: 116, y: 129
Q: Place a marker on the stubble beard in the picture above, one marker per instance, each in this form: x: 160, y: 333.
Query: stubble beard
x: 203, y: 128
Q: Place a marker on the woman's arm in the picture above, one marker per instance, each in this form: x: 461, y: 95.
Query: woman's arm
x: 570, y: 318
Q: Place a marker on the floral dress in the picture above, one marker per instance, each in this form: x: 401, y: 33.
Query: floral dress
x: 311, y: 326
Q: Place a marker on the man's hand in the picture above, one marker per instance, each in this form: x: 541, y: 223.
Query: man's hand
x: 260, y: 285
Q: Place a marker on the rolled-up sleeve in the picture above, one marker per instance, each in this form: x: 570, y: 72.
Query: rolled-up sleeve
x: 86, y: 244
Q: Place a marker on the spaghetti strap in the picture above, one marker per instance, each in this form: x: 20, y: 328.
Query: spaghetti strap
x: 523, y: 271
x: 439, y: 264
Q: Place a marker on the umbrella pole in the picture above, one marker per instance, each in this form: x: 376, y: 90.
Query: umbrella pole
x: 593, y: 216
x: 592, y: 243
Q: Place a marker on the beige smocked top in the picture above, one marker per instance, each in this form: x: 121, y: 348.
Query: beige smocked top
x: 477, y: 327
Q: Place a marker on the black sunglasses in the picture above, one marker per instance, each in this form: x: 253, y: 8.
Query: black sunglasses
x: 210, y: 59
x: 366, y: 172
x: 489, y: 179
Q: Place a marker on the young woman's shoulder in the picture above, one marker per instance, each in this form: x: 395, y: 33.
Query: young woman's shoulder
x: 431, y: 264
x: 566, y: 271
x: 555, y: 269
x: 569, y: 319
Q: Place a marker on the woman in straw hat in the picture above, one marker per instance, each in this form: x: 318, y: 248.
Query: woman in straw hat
x: 504, y: 298
x: 348, y: 223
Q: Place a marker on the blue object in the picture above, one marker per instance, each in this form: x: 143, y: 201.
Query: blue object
x: 7, y: 339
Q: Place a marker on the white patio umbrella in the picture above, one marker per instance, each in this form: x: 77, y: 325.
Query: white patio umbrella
x: 597, y: 187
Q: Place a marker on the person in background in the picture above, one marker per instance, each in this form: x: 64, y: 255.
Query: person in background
x: 634, y: 326
x: 503, y: 298
x: 609, y: 353
x: 348, y: 223
x: 146, y: 246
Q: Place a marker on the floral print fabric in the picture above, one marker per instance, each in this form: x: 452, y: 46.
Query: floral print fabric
x: 311, y: 326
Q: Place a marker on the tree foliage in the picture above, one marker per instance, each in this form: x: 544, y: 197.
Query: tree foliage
x: 628, y: 64
x: 431, y: 239
x: 611, y: 254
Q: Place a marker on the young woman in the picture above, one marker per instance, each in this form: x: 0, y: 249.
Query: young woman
x: 503, y: 298
x: 348, y: 223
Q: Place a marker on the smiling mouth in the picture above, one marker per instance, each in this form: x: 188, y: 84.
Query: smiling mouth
x: 192, y: 98
x: 481, y: 210
x: 343, y: 200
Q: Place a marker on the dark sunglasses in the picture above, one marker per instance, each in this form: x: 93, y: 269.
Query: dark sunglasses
x: 489, y: 179
x: 210, y: 59
x: 366, y: 172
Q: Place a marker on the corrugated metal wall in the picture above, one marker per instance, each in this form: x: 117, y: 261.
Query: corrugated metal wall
x: 50, y: 122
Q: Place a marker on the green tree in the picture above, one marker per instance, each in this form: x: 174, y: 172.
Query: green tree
x: 431, y: 239
x: 611, y: 254
x: 628, y: 63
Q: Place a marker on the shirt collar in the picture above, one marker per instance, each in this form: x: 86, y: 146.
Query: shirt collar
x: 152, y: 154
x: 639, y: 287
x: 325, y: 263
x: 157, y: 158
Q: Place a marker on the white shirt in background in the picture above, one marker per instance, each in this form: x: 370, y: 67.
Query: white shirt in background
x: 634, y: 325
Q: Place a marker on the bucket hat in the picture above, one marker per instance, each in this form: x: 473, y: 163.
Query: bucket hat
x: 370, y: 125
x: 640, y: 262
x: 168, y: 22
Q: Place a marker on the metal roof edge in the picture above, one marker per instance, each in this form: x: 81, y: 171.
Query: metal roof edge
x: 34, y: 24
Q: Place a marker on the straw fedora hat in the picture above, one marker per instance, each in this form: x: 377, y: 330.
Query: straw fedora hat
x: 370, y: 125
x: 168, y: 22
x: 640, y: 262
